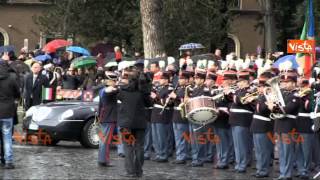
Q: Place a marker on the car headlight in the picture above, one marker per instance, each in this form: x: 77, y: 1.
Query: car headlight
x: 67, y: 114
x: 30, y: 111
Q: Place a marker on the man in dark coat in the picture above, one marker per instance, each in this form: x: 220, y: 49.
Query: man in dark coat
x: 132, y: 122
x: 34, y: 83
x: 9, y: 93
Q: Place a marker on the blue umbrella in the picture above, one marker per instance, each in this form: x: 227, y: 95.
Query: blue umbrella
x: 78, y: 49
x: 7, y: 48
x: 43, y: 57
x: 291, y: 58
x: 191, y: 46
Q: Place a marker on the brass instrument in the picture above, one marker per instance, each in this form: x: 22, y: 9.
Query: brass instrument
x: 304, y: 92
x: 220, y: 90
x: 273, y: 94
x: 182, y: 105
x: 254, y: 95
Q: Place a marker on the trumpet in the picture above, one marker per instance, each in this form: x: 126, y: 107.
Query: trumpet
x: 220, y: 90
x: 254, y: 95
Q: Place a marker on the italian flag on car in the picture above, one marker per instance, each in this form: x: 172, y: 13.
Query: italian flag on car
x: 47, y: 94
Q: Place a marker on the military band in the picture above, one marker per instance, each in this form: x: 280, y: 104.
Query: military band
x: 251, y: 115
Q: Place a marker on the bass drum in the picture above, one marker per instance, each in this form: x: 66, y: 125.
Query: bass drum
x: 201, y: 110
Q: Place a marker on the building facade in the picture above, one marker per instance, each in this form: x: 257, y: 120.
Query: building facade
x: 244, y: 36
x: 17, y: 26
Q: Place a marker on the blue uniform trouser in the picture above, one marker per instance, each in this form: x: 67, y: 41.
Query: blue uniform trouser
x: 231, y: 155
x: 198, y: 143
x: 263, y: 150
x: 223, y: 146
x: 241, y: 146
x: 250, y: 149
x: 181, y: 130
x: 148, y: 141
x: 211, y: 146
x: 105, y: 139
x: 170, y: 139
x: 160, y: 140
x: 120, y: 149
x: 304, y: 153
x: 286, y: 155
x: 315, y: 151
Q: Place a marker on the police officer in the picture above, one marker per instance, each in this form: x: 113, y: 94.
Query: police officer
x: 305, y: 134
x: 262, y: 128
x: 180, y: 123
x: 240, y: 120
x: 160, y: 119
x: 221, y: 124
x: 198, y: 150
x: 286, y: 125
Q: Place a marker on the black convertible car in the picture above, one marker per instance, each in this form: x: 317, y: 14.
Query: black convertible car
x: 65, y: 120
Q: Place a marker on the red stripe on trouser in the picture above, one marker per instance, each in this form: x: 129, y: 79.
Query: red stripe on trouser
x: 109, y: 141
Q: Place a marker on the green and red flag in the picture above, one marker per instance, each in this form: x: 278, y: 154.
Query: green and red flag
x: 306, y: 61
x: 47, y: 94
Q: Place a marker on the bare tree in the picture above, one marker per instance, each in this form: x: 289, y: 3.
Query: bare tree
x: 152, y: 27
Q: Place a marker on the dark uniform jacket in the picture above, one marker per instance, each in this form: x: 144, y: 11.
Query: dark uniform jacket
x: 223, y: 118
x: 303, y: 121
x: 158, y: 103
x: 240, y: 114
x: 176, y: 117
x: 261, y: 122
x: 287, y: 124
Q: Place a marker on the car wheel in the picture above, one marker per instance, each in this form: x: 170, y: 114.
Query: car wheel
x: 54, y: 142
x: 89, y: 135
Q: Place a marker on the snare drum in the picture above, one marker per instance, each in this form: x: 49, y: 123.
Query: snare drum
x: 201, y: 110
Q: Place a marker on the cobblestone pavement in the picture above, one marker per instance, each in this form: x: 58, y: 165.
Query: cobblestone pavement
x: 69, y: 160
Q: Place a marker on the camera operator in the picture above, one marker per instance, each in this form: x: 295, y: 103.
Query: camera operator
x: 132, y: 121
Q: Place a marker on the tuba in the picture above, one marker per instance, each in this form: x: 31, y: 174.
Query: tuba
x: 273, y: 94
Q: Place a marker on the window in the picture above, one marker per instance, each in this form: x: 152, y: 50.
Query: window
x: 1, y: 39
x: 236, y: 4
